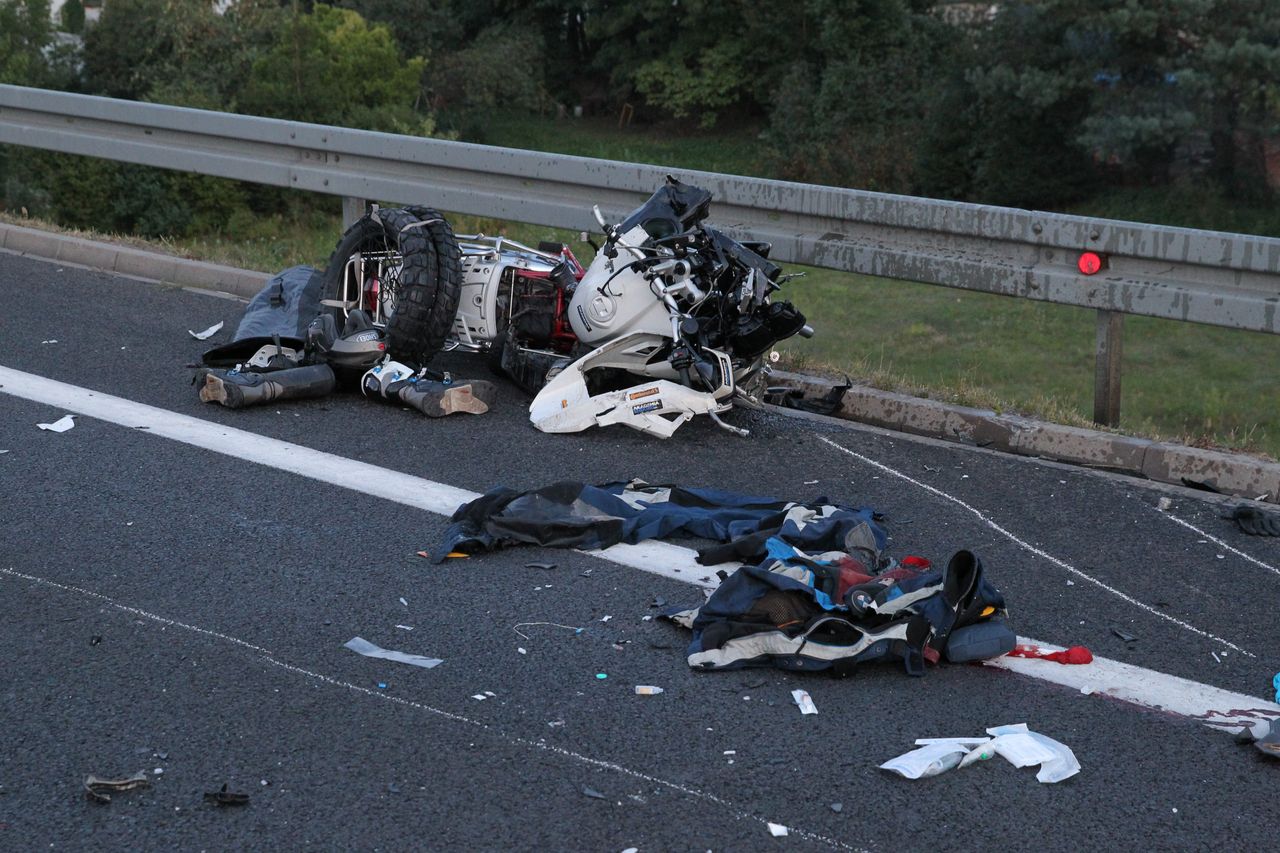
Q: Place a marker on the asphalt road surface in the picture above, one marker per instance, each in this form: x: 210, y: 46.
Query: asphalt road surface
x: 173, y: 610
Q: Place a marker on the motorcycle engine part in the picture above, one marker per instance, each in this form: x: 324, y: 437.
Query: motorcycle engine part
x: 402, y: 265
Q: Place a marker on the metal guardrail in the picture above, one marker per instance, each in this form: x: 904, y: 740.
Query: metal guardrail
x: 1184, y: 274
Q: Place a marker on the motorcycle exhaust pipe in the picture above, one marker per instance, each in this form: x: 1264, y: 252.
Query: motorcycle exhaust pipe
x: 806, y: 331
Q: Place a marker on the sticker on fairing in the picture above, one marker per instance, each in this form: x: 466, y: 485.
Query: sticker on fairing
x: 638, y: 395
x: 646, y: 407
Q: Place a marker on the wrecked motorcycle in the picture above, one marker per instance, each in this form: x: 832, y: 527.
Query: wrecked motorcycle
x: 672, y: 318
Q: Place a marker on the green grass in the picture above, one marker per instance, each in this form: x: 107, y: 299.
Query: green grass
x: 1180, y: 381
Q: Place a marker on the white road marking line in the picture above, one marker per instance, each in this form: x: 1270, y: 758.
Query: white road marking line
x: 267, y: 657
x: 1104, y: 677
x: 661, y: 558
x: 1038, y: 552
x: 1215, y: 540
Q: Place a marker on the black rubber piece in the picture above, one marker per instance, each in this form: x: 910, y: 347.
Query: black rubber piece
x: 430, y: 276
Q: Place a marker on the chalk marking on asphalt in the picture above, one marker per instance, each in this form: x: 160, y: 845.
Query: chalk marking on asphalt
x: 268, y: 657
x: 1038, y: 552
x: 661, y: 558
x: 1157, y: 690
x: 1215, y: 540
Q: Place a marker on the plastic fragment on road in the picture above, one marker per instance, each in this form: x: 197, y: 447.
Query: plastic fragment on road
x: 777, y: 830
x: 1017, y: 744
x: 647, y: 690
x: 362, y: 646
x: 602, y: 675
x: 223, y: 797
x: 547, y: 566
x: 805, y: 701
x: 1076, y: 655
x: 593, y: 793
x: 1128, y: 638
x: 62, y: 424
x: 207, y: 333
x: 50, y: 341
x: 402, y: 601
x: 99, y: 790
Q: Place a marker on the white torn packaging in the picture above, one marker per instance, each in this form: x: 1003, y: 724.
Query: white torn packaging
x: 207, y: 333
x: 1020, y: 746
x: 805, y: 701
x: 362, y: 646
x: 62, y: 424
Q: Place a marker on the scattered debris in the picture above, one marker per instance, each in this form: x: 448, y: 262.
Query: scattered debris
x: 50, y: 341
x: 1165, y: 504
x: 605, y: 618
x: 363, y: 647
x: 62, y: 424
x: 223, y: 797
x: 426, y: 554
x: 521, y: 650
x: 402, y: 601
x: 593, y: 793
x: 647, y: 690
x: 405, y: 627
x: 95, y: 640
x: 1275, y: 682
x: 207, y: 333
x: 479, y: 697
x: 811, y: 482
x: 1264, y: 735
x: 602, y: 675
x: 1075, y: 655
x: 1128, y: 638
x: 99, y: 790
x: 777, y: 830
x: 1200, y: 485
x: 516, y: 627
x: 546, y: 566
x: 805, y: 702
x: 1018, y: 744
x: 1254, y: 521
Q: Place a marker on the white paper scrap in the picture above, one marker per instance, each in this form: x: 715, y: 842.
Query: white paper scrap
x: 405, y: 603
x: 805, y: 701
x: 62, y: 424
x: 207, y: 333
x: 50, y: 341
x: 777, y: 830
x: 363, y: 647
x: 405, y: 627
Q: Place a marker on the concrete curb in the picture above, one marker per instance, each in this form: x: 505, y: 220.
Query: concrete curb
x: 1229, y: 473
x: 1167, y: 463
x: 127, y: 261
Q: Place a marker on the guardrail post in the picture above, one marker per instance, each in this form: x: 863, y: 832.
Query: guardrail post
x: 1106, y: 370
x: 352, y: 209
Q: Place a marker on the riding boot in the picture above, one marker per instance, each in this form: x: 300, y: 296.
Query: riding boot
x: 436, y: 399
x: 236, y: 390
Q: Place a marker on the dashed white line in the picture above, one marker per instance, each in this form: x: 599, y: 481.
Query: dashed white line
x: 515, y: 740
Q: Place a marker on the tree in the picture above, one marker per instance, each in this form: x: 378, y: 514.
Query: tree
x: 25, y: 35
x: 332, y: 67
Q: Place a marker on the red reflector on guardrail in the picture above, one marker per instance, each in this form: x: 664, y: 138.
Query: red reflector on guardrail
x: 1091, y: 262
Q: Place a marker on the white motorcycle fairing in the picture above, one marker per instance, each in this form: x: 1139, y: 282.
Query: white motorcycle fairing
x: 654, y: 406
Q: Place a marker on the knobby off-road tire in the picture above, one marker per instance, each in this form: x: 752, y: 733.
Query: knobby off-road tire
x: 429, y: 283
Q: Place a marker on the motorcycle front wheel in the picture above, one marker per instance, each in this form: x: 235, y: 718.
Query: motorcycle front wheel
x: 403, y: 267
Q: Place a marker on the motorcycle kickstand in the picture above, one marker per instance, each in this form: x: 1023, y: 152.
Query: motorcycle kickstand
x: 733, y: 429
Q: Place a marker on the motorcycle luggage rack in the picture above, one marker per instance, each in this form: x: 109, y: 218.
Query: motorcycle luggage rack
x: 353, y: 278
x: 473, y: 245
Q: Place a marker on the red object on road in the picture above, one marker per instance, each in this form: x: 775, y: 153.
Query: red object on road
x: 1073, y: 655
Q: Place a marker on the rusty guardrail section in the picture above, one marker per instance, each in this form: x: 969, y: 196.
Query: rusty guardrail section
x: 1185, y: 274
